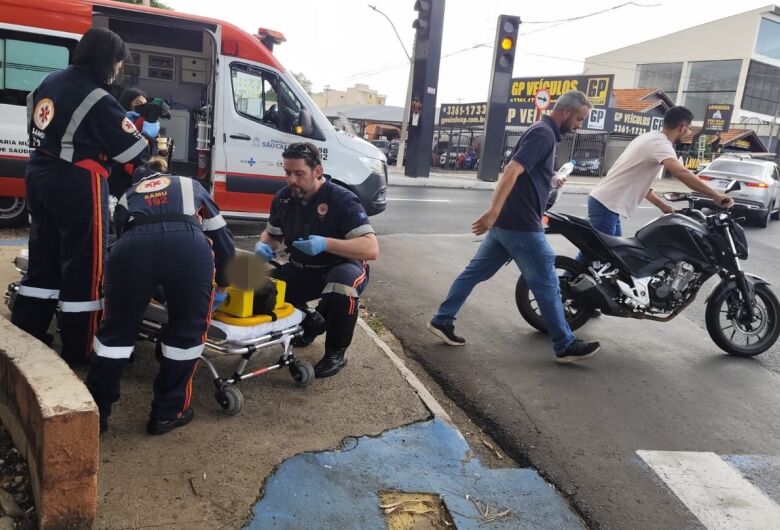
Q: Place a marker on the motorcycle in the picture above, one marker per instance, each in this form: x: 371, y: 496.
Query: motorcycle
x: 656, y: 275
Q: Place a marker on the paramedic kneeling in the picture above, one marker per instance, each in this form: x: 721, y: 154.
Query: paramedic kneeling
x: 167, y: 227
x: 329, y: 240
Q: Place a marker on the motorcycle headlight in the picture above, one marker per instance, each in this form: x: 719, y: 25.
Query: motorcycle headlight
x: 373, y: 164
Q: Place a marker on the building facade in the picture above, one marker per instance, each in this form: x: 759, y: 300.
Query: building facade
x: 359, y: 94
x: 735, y: 60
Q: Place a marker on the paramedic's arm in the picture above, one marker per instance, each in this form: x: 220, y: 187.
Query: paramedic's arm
x: 505, y: 183
x: 215, y: 228
x: 274, y: 241
x: 687, y: 177
x: 658, y: 203
x: 361, y: 247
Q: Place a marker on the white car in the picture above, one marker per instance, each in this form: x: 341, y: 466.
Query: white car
x: 759, y: 195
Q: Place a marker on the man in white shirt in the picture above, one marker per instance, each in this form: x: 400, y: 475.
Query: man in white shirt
x: 631, y: 177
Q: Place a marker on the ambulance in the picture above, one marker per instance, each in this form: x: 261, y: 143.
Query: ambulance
x: 234, y: 107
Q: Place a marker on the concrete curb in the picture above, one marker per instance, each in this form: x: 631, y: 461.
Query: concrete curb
x: 54, y: 424
x: 426, y: 397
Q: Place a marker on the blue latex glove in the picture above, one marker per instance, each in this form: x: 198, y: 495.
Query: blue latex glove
x: 312, y: 246
x: 264, y: 250
x: 219, y: 298
x: 151, y: 129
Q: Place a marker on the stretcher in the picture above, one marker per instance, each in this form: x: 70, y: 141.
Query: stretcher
x: 230, y: 335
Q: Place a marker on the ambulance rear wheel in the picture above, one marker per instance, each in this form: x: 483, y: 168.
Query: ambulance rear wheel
x: 231, y: 399
x: 13, y: 212
x: 302, y: 372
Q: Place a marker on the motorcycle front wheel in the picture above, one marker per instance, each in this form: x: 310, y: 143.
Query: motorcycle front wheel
x: 577, y: 314
x: 732, y: 332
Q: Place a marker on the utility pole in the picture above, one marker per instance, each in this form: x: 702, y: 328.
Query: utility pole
x: 408, y: 101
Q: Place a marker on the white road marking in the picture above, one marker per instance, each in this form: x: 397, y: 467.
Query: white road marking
x: 419, y: 200
x: 715, y: 492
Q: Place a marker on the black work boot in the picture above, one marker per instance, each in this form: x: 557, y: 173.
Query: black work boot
x: 331, y: 363
x: 164, y: 426
x: 313, y: 325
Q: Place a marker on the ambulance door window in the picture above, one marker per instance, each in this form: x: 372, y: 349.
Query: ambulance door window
x: 25, y: 60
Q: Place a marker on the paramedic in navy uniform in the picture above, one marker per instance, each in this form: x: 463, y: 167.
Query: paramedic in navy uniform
x: 77, y: 131
x: 167, y: 227
x: 327, y: 234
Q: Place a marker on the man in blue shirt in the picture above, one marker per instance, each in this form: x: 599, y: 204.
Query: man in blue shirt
x: 515, y: 232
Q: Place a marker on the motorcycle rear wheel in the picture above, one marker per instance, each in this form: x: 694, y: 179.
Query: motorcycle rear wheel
x: 729, y: 332
x: 576, y: 313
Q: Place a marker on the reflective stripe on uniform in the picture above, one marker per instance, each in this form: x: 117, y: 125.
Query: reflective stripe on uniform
x: 273, y: 230
x: 340, y: 288
x: 37, y: 292
x: 214, y: 223
x: 111, y: 352
x: 66, y: 143
x: 131, y: 152
x: 187, y: 196
x: 181, y: 354
x: 359, y: 231
x: 81, y: 307
x: 123, y: 202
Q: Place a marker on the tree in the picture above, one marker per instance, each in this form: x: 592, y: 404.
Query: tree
x: 153, y: 3
x: 303, y: 80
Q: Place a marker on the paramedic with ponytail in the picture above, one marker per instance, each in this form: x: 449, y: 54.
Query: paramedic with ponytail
x: 77, y: 132
x: 169, y: 234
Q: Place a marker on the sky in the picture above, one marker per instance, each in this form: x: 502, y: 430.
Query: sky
x: 338, y: 43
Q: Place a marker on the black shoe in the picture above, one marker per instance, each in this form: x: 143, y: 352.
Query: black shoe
x: 595, y: 313
x: 445, y: 332
x: 103, y: 423
x: 313, y: 325
x: 163, y: 426
x: 330, y: 364
x: 577, y: 351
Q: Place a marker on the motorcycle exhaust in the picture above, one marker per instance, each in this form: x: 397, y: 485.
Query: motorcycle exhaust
x: 594, y: 294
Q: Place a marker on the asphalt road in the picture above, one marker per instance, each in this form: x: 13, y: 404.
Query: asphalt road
x: 653, y: 386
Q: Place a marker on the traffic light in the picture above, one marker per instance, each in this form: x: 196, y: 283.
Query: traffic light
x: 506, y: 40
x: 429, y: 26
x: 498, y: 97
x: 423, y: 21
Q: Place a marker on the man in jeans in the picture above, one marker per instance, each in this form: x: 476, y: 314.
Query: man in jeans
x: 514, y: 232
x: 630, y: 179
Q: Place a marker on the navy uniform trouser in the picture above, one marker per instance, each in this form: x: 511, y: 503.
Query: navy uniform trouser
x: 338, y: 288
x: 68, y: 237
x: 177, y: 257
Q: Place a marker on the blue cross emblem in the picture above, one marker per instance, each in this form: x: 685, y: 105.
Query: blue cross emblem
x: 251, y: 162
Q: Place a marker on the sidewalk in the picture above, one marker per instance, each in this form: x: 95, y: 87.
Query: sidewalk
x: 468, y: 180
x: 341, y: 453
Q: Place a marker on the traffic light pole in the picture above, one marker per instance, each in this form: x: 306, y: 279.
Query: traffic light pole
x: 498, y: 98
x: 425, y: 82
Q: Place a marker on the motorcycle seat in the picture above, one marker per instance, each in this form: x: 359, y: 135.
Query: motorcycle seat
x: 617, y: 242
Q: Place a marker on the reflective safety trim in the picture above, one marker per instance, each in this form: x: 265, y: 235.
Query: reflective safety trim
x: 37, y: 292
x: 131, y: 152
x: 215, y: 223
x: 359, y: 231
x: 340, y: 288
x: 123, y: 202
x: 187, y: 196
x: 111, y: 352
x: 179, y: 354
x: 273, y: 230
x: 66, y: 143
x: 81, y: 307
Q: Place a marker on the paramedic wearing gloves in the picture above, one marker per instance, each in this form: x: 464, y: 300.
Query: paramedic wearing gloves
x: 167, y: 227
x: 77, y: 131
x: 327, y: 234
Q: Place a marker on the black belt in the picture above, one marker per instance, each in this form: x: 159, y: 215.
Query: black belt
x: 306, y: 266
x: 140, y: 219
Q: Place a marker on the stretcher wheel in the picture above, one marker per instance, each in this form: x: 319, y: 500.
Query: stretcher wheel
x: 231, y: 399
x: 302, y: 372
